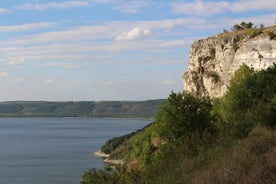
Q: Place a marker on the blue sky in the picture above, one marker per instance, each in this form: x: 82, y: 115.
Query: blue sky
x: 109, y: 49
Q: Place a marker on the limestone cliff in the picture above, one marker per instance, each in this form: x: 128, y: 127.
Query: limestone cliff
x: 214, y: 60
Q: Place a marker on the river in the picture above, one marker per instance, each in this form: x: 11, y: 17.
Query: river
x: 55, y: 150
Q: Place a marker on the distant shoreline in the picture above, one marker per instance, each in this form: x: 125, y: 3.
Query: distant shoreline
x: 85, y: 109
x: 72, y: 117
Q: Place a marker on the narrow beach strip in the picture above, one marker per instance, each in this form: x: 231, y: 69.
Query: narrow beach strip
x: 101, y: 154
x: 107, y: 160
x: 113, y: 162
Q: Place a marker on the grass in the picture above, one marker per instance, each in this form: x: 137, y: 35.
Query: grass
x: 252, y: 160
x: 227, y: 160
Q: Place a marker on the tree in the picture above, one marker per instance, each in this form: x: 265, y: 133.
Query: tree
x: 186, y: 114
x: 250, y: 99
x: 242, y: 26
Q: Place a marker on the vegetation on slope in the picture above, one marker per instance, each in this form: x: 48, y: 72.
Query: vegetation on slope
x: 199, y: 140
x: 127, y: 109
x: 251, y: 100
x: 252, y: 160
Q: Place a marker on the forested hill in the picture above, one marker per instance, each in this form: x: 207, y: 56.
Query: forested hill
x: 120, y: 109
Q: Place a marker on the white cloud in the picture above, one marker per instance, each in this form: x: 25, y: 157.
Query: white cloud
x: 175, y: 61
x: 164, y: 82
x: 100, y: 1
x: 26, y: 27
x: 136, y: 29
x: 91, y: 44
x: 203, y: 8
x: 62, y: 64
x: 107, y: 83
x: 59, y: 54
x: 132, y: 6
x: 245, y: 5
x: 167, y: 24
x: 176, y: 43
x: 16, y: 62
x: 53, y: 5
x: 200, y: 7
x: 4, y: 74
x: 74, y: 34
x: 3, y: 10
x: 18, y: 79
x: 50, y: 81
x: 134, y: 33
x: 168, y: 82
x: 124, y: 6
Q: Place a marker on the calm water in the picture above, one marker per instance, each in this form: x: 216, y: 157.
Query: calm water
x: 55, y: 150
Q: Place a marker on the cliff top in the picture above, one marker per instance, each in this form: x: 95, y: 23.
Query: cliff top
x: 250, y: 32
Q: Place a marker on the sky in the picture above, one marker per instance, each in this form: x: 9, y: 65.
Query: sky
x: 75, y: 50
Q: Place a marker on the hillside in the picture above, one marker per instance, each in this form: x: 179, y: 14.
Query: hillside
x: 197, y: 139
x: 124, y: 109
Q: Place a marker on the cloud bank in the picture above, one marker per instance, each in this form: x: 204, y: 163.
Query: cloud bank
x: 3, y: 10
x: 26, y: 27
x: 208, y: 8
x: 53, y: 5
x: 4, y: 74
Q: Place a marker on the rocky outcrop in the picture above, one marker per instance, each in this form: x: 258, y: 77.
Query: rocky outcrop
x: 213, y: 61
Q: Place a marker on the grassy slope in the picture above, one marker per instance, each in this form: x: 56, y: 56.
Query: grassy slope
x: 252, y: 160
x: 228, y: 160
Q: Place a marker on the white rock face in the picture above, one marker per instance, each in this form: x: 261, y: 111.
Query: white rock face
x: 213, y: 61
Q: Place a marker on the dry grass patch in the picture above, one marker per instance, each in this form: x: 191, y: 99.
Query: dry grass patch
x: 252, y: 161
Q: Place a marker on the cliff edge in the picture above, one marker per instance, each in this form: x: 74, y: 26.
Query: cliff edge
x: 213, y: 61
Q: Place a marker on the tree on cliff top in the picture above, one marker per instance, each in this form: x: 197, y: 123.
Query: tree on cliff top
x: 242, y: 26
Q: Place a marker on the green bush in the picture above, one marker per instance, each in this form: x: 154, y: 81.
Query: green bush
x: 250, y: 100
x: 183, y: 116
x: 253, y: 32
x: 142, y: 147
x: 186, y: 114
x: 271, y: 35
x: 242, y: 26
x: 215, y: 77
x: 112, y: 144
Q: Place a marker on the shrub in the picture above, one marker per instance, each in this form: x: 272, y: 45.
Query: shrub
x: 236, y: 46
x: 186, y: 114
x: 215, y: 77
x: 253, y: 32
x: 112, y: 144
x: 250, y: 100
x: 242, y: 26
x: 271, y: 35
